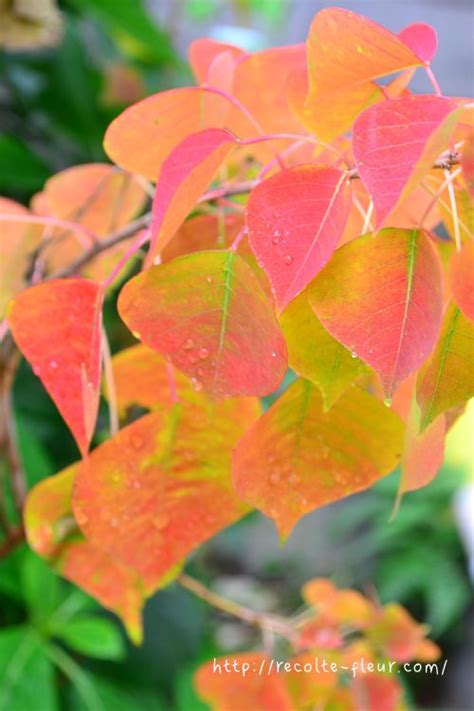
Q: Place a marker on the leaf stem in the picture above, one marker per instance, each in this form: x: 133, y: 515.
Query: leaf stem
x: 265, y: 621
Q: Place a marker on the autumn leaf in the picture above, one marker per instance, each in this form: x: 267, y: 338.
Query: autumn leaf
x: 234, y: 691
x: 57, y: 327
x: 318, y: 356
x: 160, y: 487
x: 297, y: 457
x: 447, y: 378
x: 395, y: 144
x: 422, y: 39
x: 96, y: 195
x: 142, y: 137
x: 345, y: 53
x: 423, y: 452
x: 209, y: 315
x: 381, y: 297
x: 461, y: 279
x: 467, y: 163
x: 295, y: 220
x: 203, y: 52
x: 396, y: 634
x: 184, y: 175
x: 52, y: 532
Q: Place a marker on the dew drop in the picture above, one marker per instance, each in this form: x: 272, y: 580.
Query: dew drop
x: 136, y: 483
x: 288, y: 259
x: 136, y: 441
x: 53, y: 364
x: 274, y: 355
x: 196, y: 384
x: 209, y: 279
x: 81, y: 517
x: 353, y: 354
x: 114, y: 522
x: 192, y: 358
x: 200, y: 372
x: 275, y: 239
x: 161, y: 521
x: 189, y: 344
x: 136, y: 334
x: 203, y: 353
x: 274, y: 477
x: 387, y: 402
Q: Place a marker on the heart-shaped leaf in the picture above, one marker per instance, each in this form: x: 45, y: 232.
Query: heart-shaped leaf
x: 208, y: 313
x: 297, y: 457
x: 382, y: 298
x: 295, y: 220
x: 57, y: 327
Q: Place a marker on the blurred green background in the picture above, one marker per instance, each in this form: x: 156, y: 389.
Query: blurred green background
x: 62, y: 80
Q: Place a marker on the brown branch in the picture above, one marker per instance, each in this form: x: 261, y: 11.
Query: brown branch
x: 15, y: 536
x: 10, y: 358
x: 265, y: 621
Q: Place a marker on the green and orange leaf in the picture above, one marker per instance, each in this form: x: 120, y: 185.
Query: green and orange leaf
x: 381, y: 296
x: 209, y: 315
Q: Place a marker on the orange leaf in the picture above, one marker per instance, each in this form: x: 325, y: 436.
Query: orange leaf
x: 159, y: 488
x: 142, y: 137
x: 203, y: 232
x: 203, y: 52
x: 52, y: 532
x: 57, y: 327
x: 184, y: 176
x: 382, y: 298
x: 396, y: 634
x: 346, y: 52
x: 208, y: 313
x: 297, y: 458
x: 232, y: 690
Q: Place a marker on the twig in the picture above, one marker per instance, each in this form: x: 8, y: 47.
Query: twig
x: 8, y: 366
x: 265, y: 621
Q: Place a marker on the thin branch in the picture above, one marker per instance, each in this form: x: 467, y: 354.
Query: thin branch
x: 8, y: 367
x: 265, y: 621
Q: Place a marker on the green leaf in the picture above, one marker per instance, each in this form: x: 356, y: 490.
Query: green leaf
x: 131, y: 22
x: 41, y: 588
x: 20, y: 169
x: 26, y: 676
x: 94, y: 637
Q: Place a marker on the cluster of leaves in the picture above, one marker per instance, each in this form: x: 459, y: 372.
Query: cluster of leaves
x: 332, y: 267
x: 352, y: 640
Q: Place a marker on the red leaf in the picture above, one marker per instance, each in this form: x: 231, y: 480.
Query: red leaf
x: 422, y: 39
x: 208, y: 313
x: 467, y: 163
x: 297, y: 457
x: 382, y: 298
x: 184, y: 176
x: 395, y: 144
x: 161, y: 486
x: 57, y: 327
x: 461, y: 279
x: 295, y: 220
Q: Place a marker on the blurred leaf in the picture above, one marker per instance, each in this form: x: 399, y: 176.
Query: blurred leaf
x: 34, y: 457
x: 20, y: 169
x: 90, y: 699
x: 41, y: 588
x: 131, y: 21
x: 26, y: 676
x: 93, y: 636
x: 116, y: 696
x: 186, y: 697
